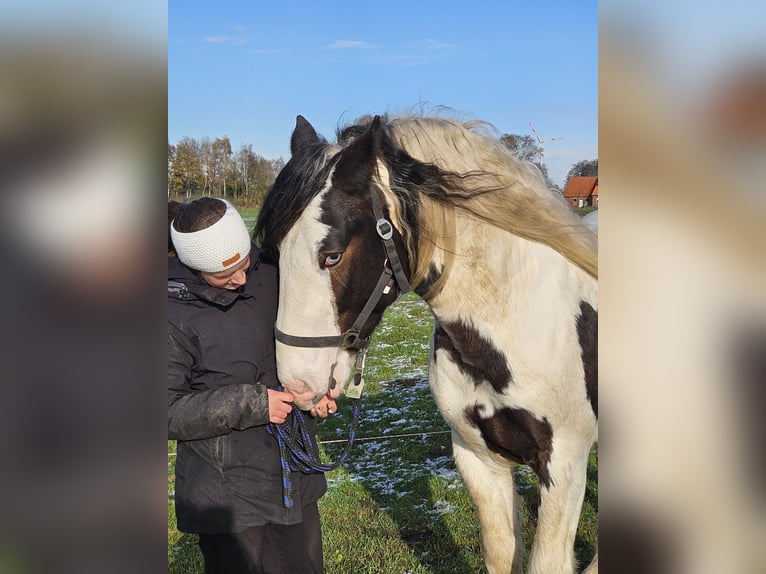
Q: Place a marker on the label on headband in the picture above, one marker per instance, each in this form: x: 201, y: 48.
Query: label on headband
x: 230, y: 260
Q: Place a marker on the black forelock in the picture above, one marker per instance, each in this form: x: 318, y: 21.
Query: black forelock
x: 296, y: 185
x: 345, y: 134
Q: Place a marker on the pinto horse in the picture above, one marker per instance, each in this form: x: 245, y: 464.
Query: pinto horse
x: 510, y: 274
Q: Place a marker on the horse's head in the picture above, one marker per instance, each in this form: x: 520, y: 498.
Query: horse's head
x: 322, y: 216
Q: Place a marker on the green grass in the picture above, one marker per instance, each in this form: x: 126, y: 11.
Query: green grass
x: 398, y: 504
x: 249, y: 214
x: 583, y: 210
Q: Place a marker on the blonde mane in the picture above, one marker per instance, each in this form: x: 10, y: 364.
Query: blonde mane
x: 490, y: 184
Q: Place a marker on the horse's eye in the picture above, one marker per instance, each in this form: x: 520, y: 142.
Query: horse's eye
x: 331, y: 259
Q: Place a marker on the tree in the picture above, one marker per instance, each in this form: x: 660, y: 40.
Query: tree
x: 584, y: 168
x: 221, y: 158
x: 243, y: 158
x: 523, y: 147
x: 262, y: 177
x: 526, y: 149
x: 208, y: 167
x: 171, y: 159
x: 185, y: 170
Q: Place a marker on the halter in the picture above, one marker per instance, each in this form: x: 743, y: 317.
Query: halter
x: 297, y: 448
x: 351, y: 338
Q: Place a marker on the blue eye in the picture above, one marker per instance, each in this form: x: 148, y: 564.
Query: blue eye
x: 331, y: 259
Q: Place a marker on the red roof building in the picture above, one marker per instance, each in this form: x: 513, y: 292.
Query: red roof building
x: 582, y: 191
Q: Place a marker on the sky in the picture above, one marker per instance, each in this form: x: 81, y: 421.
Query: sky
x: 246, y: 69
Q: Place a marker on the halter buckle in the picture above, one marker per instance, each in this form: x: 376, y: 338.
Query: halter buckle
x: 351, y: 340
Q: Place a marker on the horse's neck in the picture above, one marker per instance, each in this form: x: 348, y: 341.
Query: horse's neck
x: 503, y: 280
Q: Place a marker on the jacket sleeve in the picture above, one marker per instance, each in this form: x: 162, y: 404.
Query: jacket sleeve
x: 194, y: 414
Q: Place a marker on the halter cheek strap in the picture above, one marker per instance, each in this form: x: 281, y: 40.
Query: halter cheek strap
x: 386, y: 231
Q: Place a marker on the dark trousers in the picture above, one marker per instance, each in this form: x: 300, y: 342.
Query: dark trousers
x: 268, y: 549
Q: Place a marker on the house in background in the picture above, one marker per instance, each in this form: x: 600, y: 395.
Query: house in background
x: 582, y: 191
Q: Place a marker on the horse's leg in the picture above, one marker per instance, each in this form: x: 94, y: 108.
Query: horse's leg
x: 559, y: 513
x: 496, y: 502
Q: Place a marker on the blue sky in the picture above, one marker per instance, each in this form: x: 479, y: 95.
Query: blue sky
x: 245, y: 69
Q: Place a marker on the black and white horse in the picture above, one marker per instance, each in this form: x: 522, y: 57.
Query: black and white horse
x: 510, y: 274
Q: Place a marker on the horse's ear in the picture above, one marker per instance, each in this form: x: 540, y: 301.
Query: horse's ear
x: 303, y: 134
x: 357, y: 162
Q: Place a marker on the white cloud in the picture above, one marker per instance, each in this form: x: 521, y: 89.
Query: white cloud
x: 215, y: 39
x: 431, y: 44
x: 263, y: 51
x: 343, y: 44
x: 233, y: 40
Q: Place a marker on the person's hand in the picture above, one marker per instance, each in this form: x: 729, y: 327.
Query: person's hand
x: 279, y: 406
x: 325, y: 406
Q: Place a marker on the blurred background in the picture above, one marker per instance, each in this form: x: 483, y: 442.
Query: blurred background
x: 683, y: 339
x: 682, y: 144
x: 83, y: 111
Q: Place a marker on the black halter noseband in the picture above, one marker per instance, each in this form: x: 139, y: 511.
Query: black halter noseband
x: 351, y: 338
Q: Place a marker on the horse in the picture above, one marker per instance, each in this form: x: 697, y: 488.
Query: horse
x: 510, y: 274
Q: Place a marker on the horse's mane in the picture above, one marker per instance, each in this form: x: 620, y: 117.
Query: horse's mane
x: 295, y: 186
x: 482, y: 178
x: 451, y: 167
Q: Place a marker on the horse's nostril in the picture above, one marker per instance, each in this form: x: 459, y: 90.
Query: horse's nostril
x: 333, y: 382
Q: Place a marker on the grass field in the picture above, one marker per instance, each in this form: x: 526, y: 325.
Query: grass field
x: 583, y: 210
x: 398, y: 505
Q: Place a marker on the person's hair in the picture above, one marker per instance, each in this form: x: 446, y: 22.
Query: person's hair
x: 173, y: 207
x: 199, y: 214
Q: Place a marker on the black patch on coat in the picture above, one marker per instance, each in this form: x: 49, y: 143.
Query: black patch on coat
x: 356, y: 163
x: 347, y: 210
x: 357, y: 169
x: 517, y: 435
x: 353, y: 280
x: 475, y: 356
x: 587, y: 333
x: 434, y: 274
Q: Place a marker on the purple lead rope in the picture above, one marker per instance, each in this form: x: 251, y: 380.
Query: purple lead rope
x: 299, y: 450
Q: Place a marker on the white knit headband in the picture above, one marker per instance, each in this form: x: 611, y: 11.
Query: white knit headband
x: 216, y: 248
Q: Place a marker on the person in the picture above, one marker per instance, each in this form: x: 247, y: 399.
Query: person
x: 223, y: 391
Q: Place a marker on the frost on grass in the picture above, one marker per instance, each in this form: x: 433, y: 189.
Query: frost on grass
x: 384, y: 462
x: 442, y: 507
x: 391, y: 466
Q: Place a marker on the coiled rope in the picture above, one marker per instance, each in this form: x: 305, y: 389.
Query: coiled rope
x: 299, y: 451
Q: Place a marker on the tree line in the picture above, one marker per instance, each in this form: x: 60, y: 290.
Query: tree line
x: 210, y: 167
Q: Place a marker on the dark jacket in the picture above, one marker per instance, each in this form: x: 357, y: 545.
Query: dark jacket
x: 220, y: 364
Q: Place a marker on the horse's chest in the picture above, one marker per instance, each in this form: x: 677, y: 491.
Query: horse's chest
x: 465, y: 369
x: 454, y: 389
x: 498, y: 431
